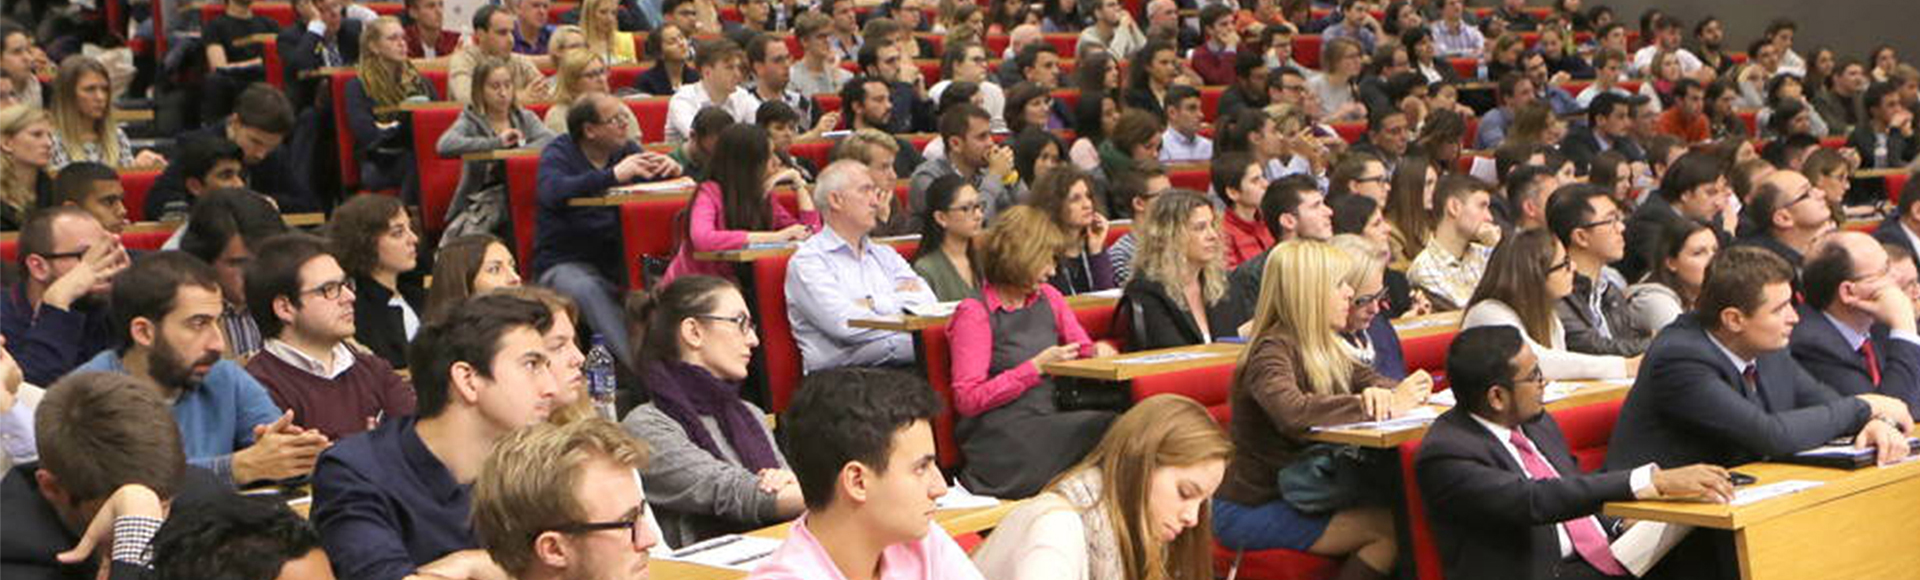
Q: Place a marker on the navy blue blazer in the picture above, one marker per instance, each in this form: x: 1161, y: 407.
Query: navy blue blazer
x: 1890, y: 232
x: 1687, y: 406
x: 1388, y: 358
x: 1490, y: 520
x: 1819, y: 347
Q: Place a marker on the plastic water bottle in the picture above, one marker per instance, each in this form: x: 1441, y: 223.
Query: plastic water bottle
x: 601, y: 384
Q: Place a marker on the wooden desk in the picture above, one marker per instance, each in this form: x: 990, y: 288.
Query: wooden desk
x: 301, y: 220
x: 619, y: 199
x: 748, y: 255
x: 1859, y: 524
x: 912, y: 323
x: 955, y: 522
x: 130, y: 115
x: 1879, y: 173
x: 1590, y: 392
x: 1411, y: 327
x: 1116, y: 368
x: 500, y: 154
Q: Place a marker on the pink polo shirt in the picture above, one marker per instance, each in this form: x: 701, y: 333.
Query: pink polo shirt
x: 933, y: 557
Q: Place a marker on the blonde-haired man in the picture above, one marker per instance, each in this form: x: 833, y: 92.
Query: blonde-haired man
x: 564, y: 501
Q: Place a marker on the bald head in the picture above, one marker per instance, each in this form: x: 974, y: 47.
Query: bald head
x: 1022, y: 36
x: 1845, y: 272
x: 1787, y: 204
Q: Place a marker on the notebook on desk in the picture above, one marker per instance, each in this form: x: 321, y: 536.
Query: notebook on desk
x: 1841, y: 455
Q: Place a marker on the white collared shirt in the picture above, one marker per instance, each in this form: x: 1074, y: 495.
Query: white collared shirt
x: 342, y: 359
x: 1641, y: 479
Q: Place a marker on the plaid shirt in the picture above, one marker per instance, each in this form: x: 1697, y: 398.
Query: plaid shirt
x: 1466, y: 41
x: 1446, y: 278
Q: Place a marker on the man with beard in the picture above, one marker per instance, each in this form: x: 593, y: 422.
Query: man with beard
x: 56, y: 317
x: 166, y: 311
x: 870, y: 104
x: 395, y: 502
x: 303, y: 303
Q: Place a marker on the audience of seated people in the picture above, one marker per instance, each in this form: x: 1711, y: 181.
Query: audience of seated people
x: 276, y: 352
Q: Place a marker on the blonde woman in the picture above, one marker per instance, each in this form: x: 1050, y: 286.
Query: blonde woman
x: 565, y: 38
x: 83, y: 119
x: 582, y: 73
x: 383, y: 140
x: 1296, y: 375
x: 494, y: 121
x: 1174, y: 300
x: 599, y: 20
x: 26, y: 148
x: 1014, y: 436
x: 1136, y: 507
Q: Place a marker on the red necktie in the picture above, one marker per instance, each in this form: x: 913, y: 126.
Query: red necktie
x: 1588, y: 539
x: 1873, y: 362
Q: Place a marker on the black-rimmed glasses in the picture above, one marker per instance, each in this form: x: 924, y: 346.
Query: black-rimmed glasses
x: 634, y: 528
x: 331, y: 290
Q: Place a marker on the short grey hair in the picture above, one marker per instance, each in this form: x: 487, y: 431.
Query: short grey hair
x: 838, y: 176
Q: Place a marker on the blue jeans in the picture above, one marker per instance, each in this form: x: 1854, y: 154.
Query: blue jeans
x: 1265, y: 527
x: 599, y: 301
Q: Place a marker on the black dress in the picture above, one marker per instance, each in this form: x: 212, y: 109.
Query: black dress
x: 1016, y: 448
x: 381, y: 326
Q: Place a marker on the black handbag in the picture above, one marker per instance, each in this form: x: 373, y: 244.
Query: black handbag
x: 1087, y: 395
x: 1326, y: 478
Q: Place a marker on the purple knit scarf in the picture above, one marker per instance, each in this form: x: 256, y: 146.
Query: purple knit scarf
x: 686, y: 393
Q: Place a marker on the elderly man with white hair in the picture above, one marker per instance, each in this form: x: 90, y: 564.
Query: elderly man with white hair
x: 840, y: 274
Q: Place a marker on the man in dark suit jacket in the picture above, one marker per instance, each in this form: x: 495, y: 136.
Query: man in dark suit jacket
x: 262, y: 124
x: 1718, y: 386
x: 1690, y: 190
x: 1885, y: 138
x: 108, y: 450
x: 1609, y: 124
x: 1903, y: 228
x: 1785, y: 215
x: 1857, y: 328
x: 326, y: 38
x: 1495, y: 513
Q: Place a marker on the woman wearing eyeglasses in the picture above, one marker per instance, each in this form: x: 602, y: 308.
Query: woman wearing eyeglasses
x: 1512, y: 294
x: 1368, y: 331
x: 1176, y: 298
x: 1013, y: 434
x: 715, y: 469
x: 948, y: 227
x: 582, y: 73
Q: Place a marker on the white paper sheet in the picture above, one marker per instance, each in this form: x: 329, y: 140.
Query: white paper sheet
x: 1419, y: 417
x: 1758, y: 493
x: 733, y: 552
x: 958, y: 498
x: 1165, y: 357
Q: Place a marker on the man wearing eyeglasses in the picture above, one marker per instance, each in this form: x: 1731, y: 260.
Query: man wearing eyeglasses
x: 1587, y: 222
x: 56, y: 317
x: 303, y: 303
x: 566, y: 501
x: 1856, y: 330
x: 395, y: 502
x: 841, y: 274
x: 1786, y: 215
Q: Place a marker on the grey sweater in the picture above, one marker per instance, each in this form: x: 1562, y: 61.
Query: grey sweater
x: 473, y: 134
x: 695, y: 495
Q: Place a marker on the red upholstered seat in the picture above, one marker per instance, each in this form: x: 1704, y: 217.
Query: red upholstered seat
x: 439, y: 176
x: 1587, y: 429
x: 1467, y: 67
x: 1306, y: 50
x: 270, y: 60
x: 137, y: 184
x: 343, y: 135
x: 936, y: 352
x: 1209, y: 386
x: 1067, y: 97
x: 827, y: 102
x: 1426, y: 554
x: 648, y: 229
x: 1194, y: 179
x: 814, y: 151
x: 625, y: 75
x: 652, y: 116
x: 1067, y: 42
x: 1210, y: 102
x: 1752, y: 120
x: 148, y: 240
x: 1833, y: 142
x: 1351, y: 131
x: 1895, y: 184
x: 437, y: 77
x: 523, y: 179
x: 1273, y: 565
x: 777, y: 347
x: 1428, y: 353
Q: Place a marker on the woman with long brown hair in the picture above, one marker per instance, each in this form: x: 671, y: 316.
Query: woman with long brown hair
x: 382, y: 136
x: 83, y: 126
x: 1526, y: 276
x: 1136, y: 507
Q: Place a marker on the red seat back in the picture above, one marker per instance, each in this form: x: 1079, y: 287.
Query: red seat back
x: 1306, y: 50
x: 439, y: 176
x: 438, y: 78
x: 1428, y: 353
x: 1066, y: 42
x: 137, y: 184
x: 1587, y: 429
x: 1194, y: 179
x: 777, y: 346
x: 270, y: 59
x: 625, y: 75
x: 652, y: 116
x: 1209, y: 386
x: 649, y: 231
x: 1210, y: 102
x: 523, y: 182
x: 936, y: 353
x: 1274, y: 565
x: 1468, y: 67
x: 148, y: 240
x: 1895, y: 184
x: 814, y: 151
x: 1426, y: 554
x: 1351, y: 131
x: 343, y: 135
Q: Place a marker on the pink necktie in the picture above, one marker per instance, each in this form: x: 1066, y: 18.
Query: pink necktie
x: 1588, y: 539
